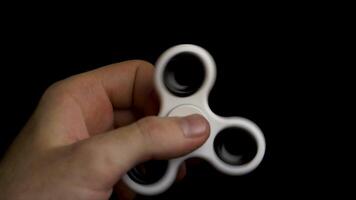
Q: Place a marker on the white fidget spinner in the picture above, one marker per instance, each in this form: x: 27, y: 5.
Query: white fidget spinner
x: 177, y: 102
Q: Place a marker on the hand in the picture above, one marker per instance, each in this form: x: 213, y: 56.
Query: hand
x: 84, y: 135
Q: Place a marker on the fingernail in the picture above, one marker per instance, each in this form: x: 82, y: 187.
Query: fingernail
x: 194, y: 125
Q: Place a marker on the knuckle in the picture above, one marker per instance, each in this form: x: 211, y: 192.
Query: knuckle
x: 64, y: 86
x: 54, y: 94
x: 62, y: 90
x: 55, y: 88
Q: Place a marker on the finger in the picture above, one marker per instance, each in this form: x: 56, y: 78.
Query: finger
x: 181, y: 172
x: 123, y: 192
x: 119, y: 150
x: 123, y: 117
x: 97, y: 93
x: 127, y: 84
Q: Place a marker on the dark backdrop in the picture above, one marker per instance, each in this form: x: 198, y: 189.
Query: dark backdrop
x: 271, y: 69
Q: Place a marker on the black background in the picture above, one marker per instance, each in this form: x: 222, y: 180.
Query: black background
x: 273, y: 68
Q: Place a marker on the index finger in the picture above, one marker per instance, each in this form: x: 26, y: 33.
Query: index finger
x: 99, y: 92
x: 126, y: 83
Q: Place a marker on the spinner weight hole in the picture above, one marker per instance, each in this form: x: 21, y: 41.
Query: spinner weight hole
x: 184, y: 75
x: 235, y: 146
x: 148, y: 172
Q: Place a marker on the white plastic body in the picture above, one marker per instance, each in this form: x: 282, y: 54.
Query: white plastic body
x: 172, y: 105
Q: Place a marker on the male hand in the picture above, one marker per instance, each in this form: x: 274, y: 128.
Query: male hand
x: 89, y: 130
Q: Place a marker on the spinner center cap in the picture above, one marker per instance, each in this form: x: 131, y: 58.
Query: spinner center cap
x: 184, y: 110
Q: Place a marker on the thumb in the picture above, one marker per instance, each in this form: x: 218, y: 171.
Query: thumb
x: 149, y: 138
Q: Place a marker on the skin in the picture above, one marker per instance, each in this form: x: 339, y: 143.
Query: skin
x: 89, y: 130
